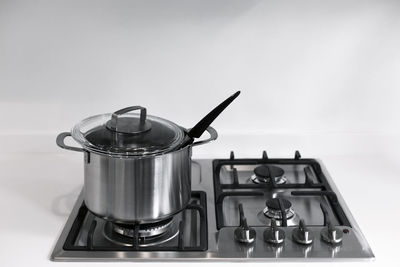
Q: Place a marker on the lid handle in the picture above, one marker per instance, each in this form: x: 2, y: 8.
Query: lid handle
x: 143, y: 113
x: 129, y: 125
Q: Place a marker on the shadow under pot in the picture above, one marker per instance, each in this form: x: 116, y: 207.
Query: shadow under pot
x: 136, y: 167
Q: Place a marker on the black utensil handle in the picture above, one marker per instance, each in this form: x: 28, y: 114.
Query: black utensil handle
x: 202, y: 125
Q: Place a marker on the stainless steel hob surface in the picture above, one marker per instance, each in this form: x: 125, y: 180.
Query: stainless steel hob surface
x: 230, y: 218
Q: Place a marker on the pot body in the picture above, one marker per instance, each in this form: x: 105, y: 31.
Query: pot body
x: 137, y: 189
x: 129, y: 189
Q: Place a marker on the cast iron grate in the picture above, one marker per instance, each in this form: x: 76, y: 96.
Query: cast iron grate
x: 201, y: 208
x: 224, y: 190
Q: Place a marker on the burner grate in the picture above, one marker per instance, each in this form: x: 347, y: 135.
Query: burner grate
x: 223, y: 190
x: 200, y: 208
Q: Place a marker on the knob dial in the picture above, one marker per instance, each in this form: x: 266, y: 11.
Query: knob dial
x: 331, y: 235
x: 244, y: 233
x: 273, y: 234
x: 302, y: 235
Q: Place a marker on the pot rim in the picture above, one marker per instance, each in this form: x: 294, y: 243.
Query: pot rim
x: 92, y: 124
x: 123, y: 156
x: 61, y: 138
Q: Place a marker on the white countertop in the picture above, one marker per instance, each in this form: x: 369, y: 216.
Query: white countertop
x: 40, y: 183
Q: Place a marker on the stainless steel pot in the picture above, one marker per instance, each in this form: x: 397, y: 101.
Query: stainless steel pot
x: 134, y: 167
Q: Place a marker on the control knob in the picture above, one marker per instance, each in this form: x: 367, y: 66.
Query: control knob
x: 331, y: 234
x: 244, y: 233
x: 302, y: 234
x: 273, y: 234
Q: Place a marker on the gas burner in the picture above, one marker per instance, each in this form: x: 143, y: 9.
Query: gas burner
x: 262, y: 174
x: 145, y: 230
x: 273, y: 211
x: 149, y: 234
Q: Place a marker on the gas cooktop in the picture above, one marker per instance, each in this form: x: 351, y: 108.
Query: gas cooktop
x: 241, y: 209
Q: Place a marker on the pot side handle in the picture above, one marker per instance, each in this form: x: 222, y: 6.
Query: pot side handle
x: 60, y: 142
x: 213, y: 135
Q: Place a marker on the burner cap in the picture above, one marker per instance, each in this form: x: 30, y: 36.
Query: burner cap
x: 273, y: 204
x: 273, y: 211
x: 266, y: 171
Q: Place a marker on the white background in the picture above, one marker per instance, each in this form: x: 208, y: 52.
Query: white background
x: 319, y: 76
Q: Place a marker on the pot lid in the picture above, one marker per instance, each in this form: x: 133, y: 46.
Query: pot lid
x: 126, y: 133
